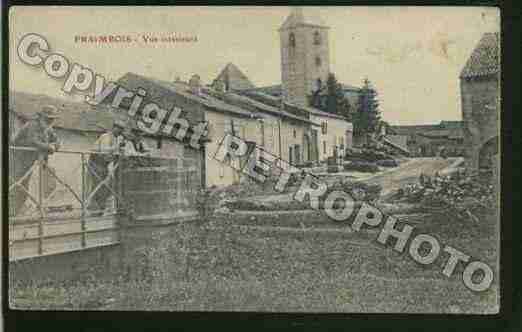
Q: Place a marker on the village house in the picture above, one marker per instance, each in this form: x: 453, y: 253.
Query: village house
x: 277, y: 131
x: 480, y: 102
x: 430, y: 140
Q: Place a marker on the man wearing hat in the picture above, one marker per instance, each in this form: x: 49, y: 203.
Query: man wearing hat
x: 136, y: 145
x: 108, y: 147
x: 39, y: 135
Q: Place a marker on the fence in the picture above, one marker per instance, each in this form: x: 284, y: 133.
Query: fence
x: 74, y: 200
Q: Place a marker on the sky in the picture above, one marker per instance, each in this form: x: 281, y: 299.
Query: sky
x: 411, y: 55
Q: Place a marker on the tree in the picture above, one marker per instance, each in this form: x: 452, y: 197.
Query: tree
x: 330, y: 98
x: 367, y: 117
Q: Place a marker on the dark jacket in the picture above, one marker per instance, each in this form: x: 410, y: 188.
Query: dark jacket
x: 33, y: 135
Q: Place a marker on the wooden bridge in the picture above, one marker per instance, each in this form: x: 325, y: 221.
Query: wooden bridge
x: 54, y: 217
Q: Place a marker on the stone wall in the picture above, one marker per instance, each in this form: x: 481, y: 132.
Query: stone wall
x: 480, y: 113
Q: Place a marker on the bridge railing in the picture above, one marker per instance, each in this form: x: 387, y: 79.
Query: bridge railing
x: 71, y: 200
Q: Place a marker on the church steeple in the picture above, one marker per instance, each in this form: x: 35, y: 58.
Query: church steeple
x: 304, y: 54
x: 300, y: 17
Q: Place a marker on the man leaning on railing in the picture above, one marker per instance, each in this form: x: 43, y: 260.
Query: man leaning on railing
x: 135, y: 144
x: 39, y: 135
x: 102, y: 166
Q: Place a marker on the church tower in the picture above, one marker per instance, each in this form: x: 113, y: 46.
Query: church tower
x: 305, y: 58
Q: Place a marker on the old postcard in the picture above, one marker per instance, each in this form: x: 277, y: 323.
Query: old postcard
x: 289, y: 159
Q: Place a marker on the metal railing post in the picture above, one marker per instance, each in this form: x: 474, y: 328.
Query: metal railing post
x: 84, y: 226
x: 40, y: 204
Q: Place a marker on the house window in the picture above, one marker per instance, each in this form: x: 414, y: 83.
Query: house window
x: 159, y: 143
x: 262, y: 132
x: 317, y: 38
x: 318, y: 61
x: 324, y: 127
x: 291, y: 39
x: 295, y: 133
x: 324, y: 147
x: 297, y: 151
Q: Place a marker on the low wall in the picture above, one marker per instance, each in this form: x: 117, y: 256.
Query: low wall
x: 177, y: 251
x: 66, y: 266
x: 105, y: 262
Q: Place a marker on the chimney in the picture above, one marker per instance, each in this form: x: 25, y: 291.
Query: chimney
x: 195, y: 84
x: 219, y: 86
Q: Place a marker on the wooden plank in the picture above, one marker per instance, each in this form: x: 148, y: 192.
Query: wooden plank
x: 26, y: 249
x: 152, y: 192
x: 31, y: 231
x: 23, y: 232
x: 62, y: 244
x: 73, y: 226
x: 170, y: 216
x: 167, y: 169
x: 101, y: 238
x: 99, y: 224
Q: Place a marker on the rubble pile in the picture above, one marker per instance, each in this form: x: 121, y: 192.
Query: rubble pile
x: 369, y: 154
x: 361, y: 166
x: 462, y: 193
x: 360, y: 191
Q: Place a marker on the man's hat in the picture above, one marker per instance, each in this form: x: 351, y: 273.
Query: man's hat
x: 119, y: 123
x: 49, y: 112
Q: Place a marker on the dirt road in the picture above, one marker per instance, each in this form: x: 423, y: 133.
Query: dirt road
x: 409, y: 172
x: 390, y: 179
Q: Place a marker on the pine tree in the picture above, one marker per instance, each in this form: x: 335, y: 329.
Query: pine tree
x: 330, y: 98
x: 367, y: 116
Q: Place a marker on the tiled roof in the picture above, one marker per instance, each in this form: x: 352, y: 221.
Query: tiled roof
x: 484, y: 59
x: 276, y: 101
x: 263, y: 107
x: 158, y: 89
x: 448, y: 129
x: 413, y: 129
x: 73, y: 115
x: 276, y: 90
x: 229, y: 102
x: 273, y: 90
x: 234, y: 78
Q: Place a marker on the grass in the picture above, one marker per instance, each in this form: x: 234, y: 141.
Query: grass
x: 216, y: 266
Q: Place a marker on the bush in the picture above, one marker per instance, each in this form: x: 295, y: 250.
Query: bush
x: 333, y: 169
x: 351, y: 153
x: 387, y: 163
x: 246, y: 205
x: 359, y: 191
x: 361, y: 167
x: 367, y: 154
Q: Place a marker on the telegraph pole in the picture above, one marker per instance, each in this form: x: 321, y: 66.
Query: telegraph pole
x: 282, y: 107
